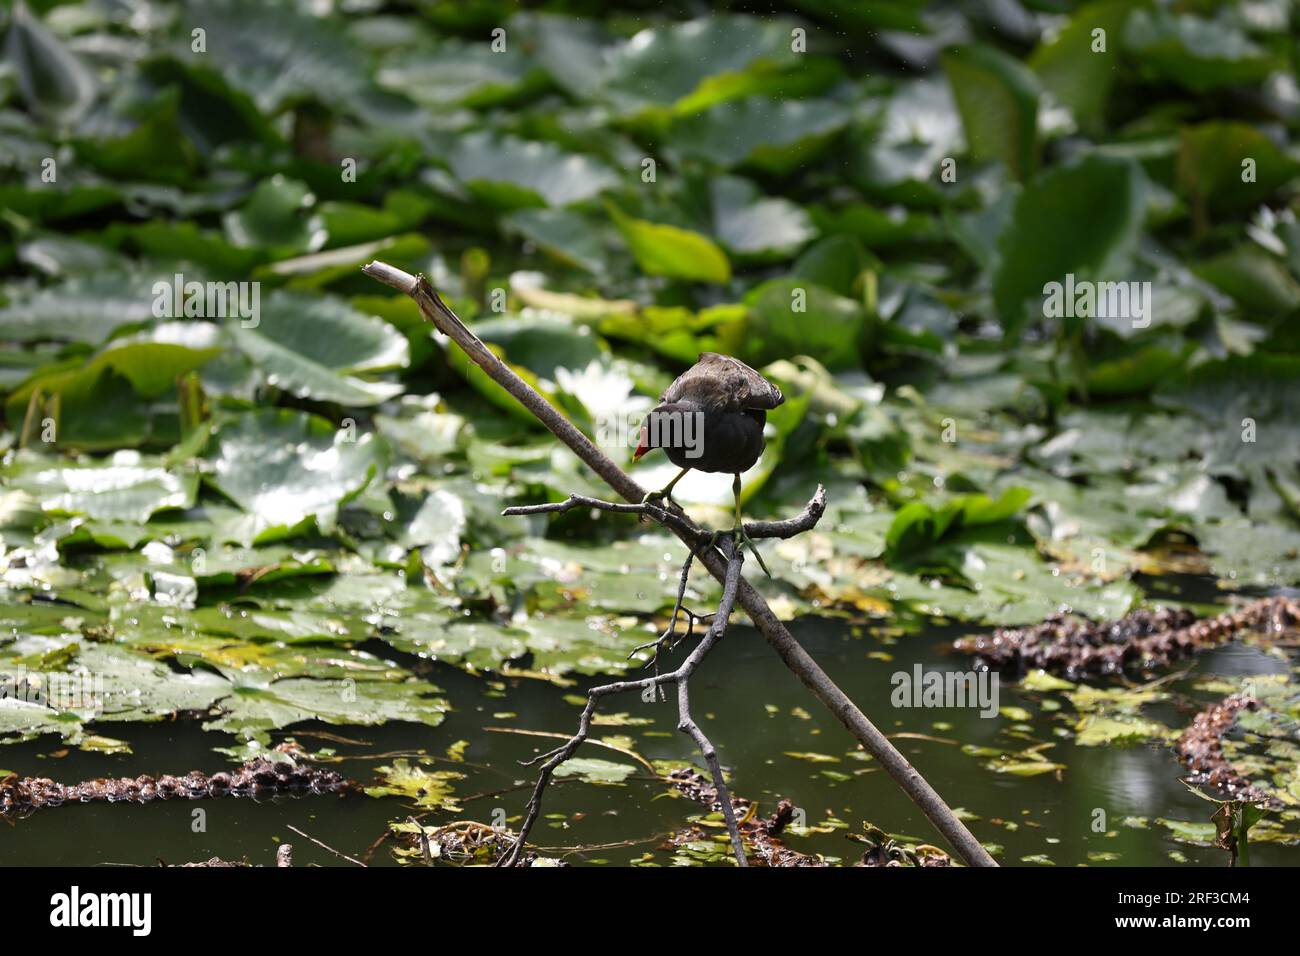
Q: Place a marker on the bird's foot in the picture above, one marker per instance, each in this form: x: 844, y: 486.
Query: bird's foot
x: 654, y: 497
x: 745, y: 539
x: 740, y: 539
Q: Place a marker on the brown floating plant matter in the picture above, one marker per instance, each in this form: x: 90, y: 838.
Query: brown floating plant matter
x: 1141, y: 641
x: 1201, y: 748
x: 259, y: 777
x: 760, y: 834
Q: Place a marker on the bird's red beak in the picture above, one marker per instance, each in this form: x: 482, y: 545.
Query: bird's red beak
x: 644, y: 446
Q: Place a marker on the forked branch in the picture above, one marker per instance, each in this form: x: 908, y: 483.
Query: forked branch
x: 685, y: 722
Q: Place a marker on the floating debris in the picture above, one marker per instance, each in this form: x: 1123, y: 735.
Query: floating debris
x: 1141, y: 641
x: 760, y: 835
x: 283, y: 859
x: 884, y: 850
x: 1201, y: 748
x: 215, y: 862
x: 259, y: 777
x: 460, y: 843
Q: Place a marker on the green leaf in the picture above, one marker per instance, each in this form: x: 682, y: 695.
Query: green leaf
x: 146, y: 142
x: 1213, y: 162
x: 1024, y: 768
x: 571, y: 50
x: 314, y: 347
x: 997, y: 97
x: 1101, y: 201
x: 749, y: 224
x: 25, y: 720
x: 291, y: 627
x: 350, y: 223
x: 774, y: 135
x: 430, y: 789
x: 277, y: 217
x: 790, y: 317
x: 284, y: 467
x: 97, y: 410
x: 186, y: 242
x: 1138, y: 368
x: 918, y: 525
x: 51, y: 79
x: 836, y: 263
x: 138, y: 688
x: 256, y: 708
x: 1074, y: 70
x: 151, y: 368
x: 436, y: 528
x: 1200, y: 54
x: 571, y: 238
x: 126, y: 487
x: 1099, y: 731
x: 278, y: 55
x: 84, y: 309
x: 663, y: 250
x: 506, y: 172
x: 920, y: 126
x: 595, y: 770
x: 454, y: 72
x: 664, y: 64
x: 1258, y: 281
x: 1195, y: 833
x: 540, y: 343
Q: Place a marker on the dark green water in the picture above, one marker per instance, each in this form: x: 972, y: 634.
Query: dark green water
x: 755, y: 711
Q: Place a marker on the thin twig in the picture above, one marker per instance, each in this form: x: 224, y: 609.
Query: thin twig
x: 769, y: 625
x: 676, y: 519
x: 666, y: 638
x: 597, y: 743
x: 425, y: 850
x: 325, y: 846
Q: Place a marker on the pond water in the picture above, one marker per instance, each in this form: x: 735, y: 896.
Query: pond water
x: 766, y: 727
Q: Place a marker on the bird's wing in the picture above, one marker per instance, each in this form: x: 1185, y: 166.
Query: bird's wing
x: 722, y: 382
x: 742, y: 386
x: 681, y: 384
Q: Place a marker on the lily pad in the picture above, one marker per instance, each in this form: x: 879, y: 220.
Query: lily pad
x: 126, y: 487
x: 666, y: 250
x: 430, y: 789
x: 595, y: 770
x: 283, y: 468
x: 508, y: 172
x: 317, y: 348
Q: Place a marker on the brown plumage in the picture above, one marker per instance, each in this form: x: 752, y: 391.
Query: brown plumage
x: 711, y: 418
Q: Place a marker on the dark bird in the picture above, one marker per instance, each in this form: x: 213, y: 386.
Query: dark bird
x: 711, y: 419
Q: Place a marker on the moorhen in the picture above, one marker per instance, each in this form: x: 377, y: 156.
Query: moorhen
x: 711, y: 419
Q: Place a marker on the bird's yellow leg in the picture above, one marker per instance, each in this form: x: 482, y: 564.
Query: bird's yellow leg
x: 739, y: 530
x: 666, y: 491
